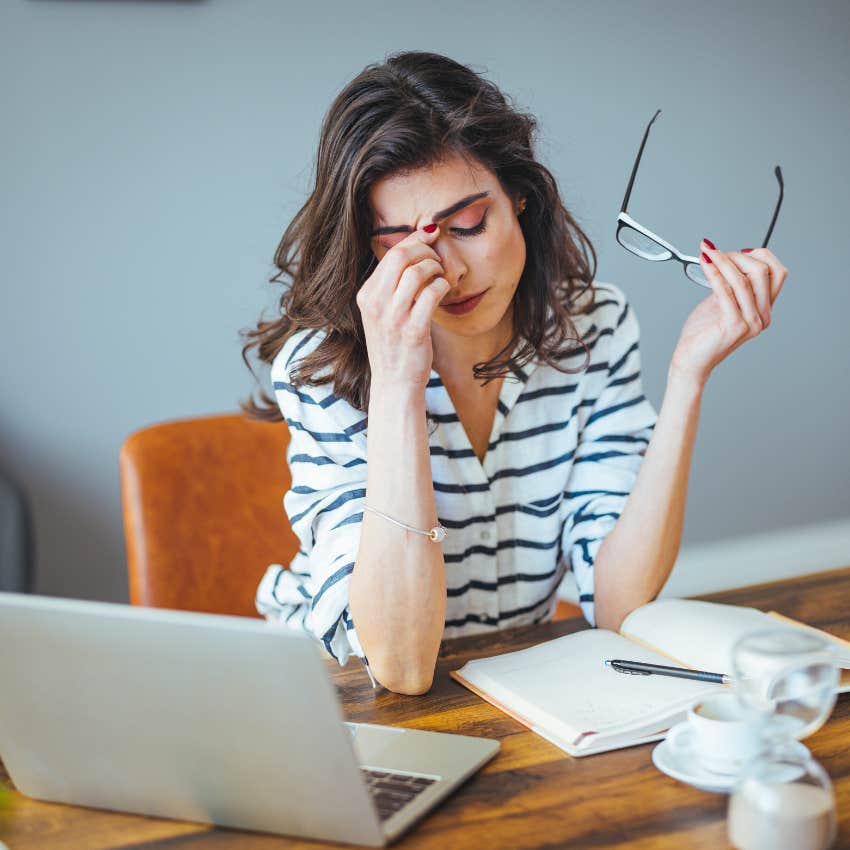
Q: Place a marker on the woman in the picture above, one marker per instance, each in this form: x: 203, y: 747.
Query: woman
x: 441, y: 294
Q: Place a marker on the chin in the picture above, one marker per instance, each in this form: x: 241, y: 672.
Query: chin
x: 468, y: 326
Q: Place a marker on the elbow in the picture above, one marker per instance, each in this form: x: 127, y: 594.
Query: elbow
x: 610, y: 614
x: 614, y: 600
x: 609, y: 619
x: 409, y: 685
x: 409, y: 679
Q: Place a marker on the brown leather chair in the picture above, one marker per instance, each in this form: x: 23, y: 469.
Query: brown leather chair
x: 203, y: 513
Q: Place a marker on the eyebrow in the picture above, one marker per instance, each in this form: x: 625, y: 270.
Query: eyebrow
x: 456, y: 207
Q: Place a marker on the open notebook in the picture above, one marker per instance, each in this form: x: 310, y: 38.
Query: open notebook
x: 562, y: 689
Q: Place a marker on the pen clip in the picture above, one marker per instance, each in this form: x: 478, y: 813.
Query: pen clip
x: 619, y: 669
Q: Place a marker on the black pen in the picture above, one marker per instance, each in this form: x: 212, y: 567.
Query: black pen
x: 642, y: 668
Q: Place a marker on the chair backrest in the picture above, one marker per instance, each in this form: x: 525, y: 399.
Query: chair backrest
x: 203, y: 512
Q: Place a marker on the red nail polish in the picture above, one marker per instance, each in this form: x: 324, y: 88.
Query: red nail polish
x: 746, y: 250
x: 430, y: 228
x: 709, y: 243
x: 707, y: 258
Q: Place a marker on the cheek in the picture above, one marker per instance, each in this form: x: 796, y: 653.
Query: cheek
x: 508, y: 258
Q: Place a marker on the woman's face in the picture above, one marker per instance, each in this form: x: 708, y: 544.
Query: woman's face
x: 481, y: 245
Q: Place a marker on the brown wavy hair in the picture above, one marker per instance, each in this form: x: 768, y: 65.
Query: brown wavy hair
x: 404, y: 114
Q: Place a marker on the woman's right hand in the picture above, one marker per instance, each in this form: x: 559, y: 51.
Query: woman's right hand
x: 396, y: 304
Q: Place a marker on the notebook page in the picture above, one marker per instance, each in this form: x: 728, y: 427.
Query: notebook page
x: 564, y: 686
x: 696, y: 633
x: 841, y: 645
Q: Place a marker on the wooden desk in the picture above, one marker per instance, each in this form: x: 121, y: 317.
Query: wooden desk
x: 532, y: 795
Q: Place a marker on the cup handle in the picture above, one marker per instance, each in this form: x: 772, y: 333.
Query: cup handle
x: 674, y: 738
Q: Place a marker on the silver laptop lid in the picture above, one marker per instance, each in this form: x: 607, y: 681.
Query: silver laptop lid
x: 201, y: 717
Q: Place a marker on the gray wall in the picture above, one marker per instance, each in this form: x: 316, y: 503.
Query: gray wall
x: 152, y: 153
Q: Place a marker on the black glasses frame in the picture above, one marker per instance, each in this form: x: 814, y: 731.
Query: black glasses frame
x: 692, y: 268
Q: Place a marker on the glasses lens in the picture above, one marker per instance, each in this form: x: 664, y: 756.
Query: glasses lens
x: 641, y: 244
x: 696, y: 274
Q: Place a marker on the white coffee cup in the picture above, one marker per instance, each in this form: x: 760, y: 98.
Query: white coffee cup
x: 719, y: 734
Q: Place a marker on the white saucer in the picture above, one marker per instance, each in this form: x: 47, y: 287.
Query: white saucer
x: 687, y: 770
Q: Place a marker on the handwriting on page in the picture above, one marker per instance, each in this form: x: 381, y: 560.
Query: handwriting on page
x: 597, y: 713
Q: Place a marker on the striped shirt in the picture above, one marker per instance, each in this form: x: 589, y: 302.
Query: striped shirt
x: 563, y: 455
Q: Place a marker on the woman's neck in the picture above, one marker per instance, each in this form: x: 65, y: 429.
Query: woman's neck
x: 455, y: 355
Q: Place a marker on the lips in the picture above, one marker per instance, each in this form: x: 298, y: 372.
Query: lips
x: 461, y: 300
x: 462, y: 308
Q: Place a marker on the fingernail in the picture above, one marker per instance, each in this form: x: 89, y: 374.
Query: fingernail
x: 746, y: 250
x: 430, y: 228
x: 709, y: 243
x: 707, y: 258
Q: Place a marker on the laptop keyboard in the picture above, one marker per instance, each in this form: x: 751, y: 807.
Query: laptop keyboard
x: 392, y: 791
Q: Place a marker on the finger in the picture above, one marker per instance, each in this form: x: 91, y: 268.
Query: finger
x: 412, y: 280
x: 759, y: 276
x: 778, y: 272
x: 423, y: 310
x: 414, y: 247
x: 726, y: 297
x: 740, y: 286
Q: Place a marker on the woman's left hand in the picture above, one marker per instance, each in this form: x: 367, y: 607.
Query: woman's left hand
x: 745, y: 286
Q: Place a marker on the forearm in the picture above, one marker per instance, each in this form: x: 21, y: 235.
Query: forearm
x: 397, y: 593
x: 637, y: 556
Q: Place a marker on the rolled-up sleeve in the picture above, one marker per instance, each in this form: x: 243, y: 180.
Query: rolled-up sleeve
x: 324, y: 505
x: 612, y: 444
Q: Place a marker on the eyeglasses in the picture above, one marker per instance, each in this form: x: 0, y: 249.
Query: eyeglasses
x: 642, y: 241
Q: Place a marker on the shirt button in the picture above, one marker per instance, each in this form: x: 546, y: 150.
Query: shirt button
x: 485, y: 534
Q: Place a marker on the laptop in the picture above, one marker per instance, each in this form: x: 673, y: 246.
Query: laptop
x: 205, y: 717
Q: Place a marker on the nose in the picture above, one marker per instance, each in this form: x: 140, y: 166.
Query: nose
x: 453, y: 263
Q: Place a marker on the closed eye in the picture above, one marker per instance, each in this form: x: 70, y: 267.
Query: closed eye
x: 464, y: 232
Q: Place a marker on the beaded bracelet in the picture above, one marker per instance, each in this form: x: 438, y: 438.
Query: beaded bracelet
x: 436, y: 535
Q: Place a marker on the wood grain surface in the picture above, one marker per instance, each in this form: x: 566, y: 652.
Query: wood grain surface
x: 531, y: 795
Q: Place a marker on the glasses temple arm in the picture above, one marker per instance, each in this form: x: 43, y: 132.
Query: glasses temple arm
x: 637, y: 162
x: 778, y: 172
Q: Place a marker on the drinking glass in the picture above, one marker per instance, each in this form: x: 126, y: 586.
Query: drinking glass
x: 787, y: 677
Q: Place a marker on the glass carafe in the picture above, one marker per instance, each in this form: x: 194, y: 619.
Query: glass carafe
x: 783, y: 801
